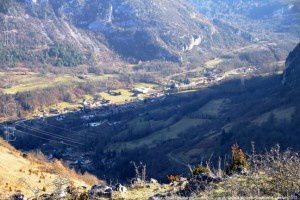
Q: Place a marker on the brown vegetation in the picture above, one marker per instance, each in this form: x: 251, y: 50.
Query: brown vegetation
x: 238, y: 162
x: 173, y: 178
x: 33, y: 174
x: 274, y: 174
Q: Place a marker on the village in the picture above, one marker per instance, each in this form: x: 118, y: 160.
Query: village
x: 125, y: 99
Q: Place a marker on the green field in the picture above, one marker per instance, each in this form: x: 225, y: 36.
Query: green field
x: 33, y: 81
x: 171, y: 132
x: 125, y: 96
x: 213, y: 63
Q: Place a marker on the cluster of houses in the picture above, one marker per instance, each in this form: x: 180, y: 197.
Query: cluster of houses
x: 95, y: 103
x: 210, y: 77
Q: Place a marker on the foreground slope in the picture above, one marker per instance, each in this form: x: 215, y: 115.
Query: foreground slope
x: 31, y: 174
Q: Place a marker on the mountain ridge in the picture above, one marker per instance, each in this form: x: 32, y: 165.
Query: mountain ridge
x: 142, y: 30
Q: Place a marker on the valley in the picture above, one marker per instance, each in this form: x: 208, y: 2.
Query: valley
x: 104, y: 86
x: 89, y: 90
x: 198, y: 123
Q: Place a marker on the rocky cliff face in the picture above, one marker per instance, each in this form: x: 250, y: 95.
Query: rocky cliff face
x: 153, y: 29
x: 292, y: 68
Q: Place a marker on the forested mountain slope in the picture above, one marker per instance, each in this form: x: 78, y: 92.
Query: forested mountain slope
x: 95, y: 32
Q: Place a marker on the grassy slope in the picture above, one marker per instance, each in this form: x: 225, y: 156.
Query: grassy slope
x: 18, y: 173
x: 31, y: 81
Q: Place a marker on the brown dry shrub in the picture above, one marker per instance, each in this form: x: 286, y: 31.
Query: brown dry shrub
x: 239, y: 162
x: 173, y: 178
x: 272, y: 175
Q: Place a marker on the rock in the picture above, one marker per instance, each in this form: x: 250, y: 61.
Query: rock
x: 295, y: 196
x: 207, y: 178
x: 120, y: 188
x: 198, y: 183
x: 46, y: 197
x: 157, y: 197
x: 18, y: 196
x: 70, y: 190
x: 153, y: 181
x: 79, y: 193
x: 100, y: 191
x: 182, y: 179
x: 83, y: 196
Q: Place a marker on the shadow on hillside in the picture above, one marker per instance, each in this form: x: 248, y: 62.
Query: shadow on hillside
x: 103, y: 141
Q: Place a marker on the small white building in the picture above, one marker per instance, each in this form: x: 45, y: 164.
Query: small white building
x: 141, y: 90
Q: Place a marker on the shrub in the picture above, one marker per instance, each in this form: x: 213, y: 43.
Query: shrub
x: 238, y: 162
x: 173, y: 178
x: 272, y: 175
x: 200, y: 170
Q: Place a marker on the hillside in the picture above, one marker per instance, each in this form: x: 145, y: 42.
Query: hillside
x: 255, y: 16
x: 202, y: 96
x: 30, y: 174
x: 141, y: 30
x: 90, y: 47
x: 292, y: 67
x: 178, y: 129
x: 241, y: 176
x: 98, y: 33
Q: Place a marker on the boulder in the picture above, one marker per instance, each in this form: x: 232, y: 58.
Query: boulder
x: 157, y: 197
x: 295, y: 196
x: 198, y: 183
x: 100, y: 191
x: 18, y: 196
x: 120, y: 188
x: 46, y: 197
x: 153, y: 181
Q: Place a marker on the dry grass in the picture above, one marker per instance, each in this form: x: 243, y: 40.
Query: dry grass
x: 32, y: 174
x: 271, y: 175
x: 143, y: 193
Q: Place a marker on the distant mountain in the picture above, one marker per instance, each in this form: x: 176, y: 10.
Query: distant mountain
x: 155, y: 29
x: 103, y: 30
x: 280, y: 16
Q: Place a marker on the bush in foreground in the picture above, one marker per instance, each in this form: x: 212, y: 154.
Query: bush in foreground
x: 274, y: 174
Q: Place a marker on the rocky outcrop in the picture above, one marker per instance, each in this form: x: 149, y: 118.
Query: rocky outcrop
x: 100, y: 191
x: 198, y: 183
x: 18, y: 196
x: 291, y: 77
x: 120, y: 188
